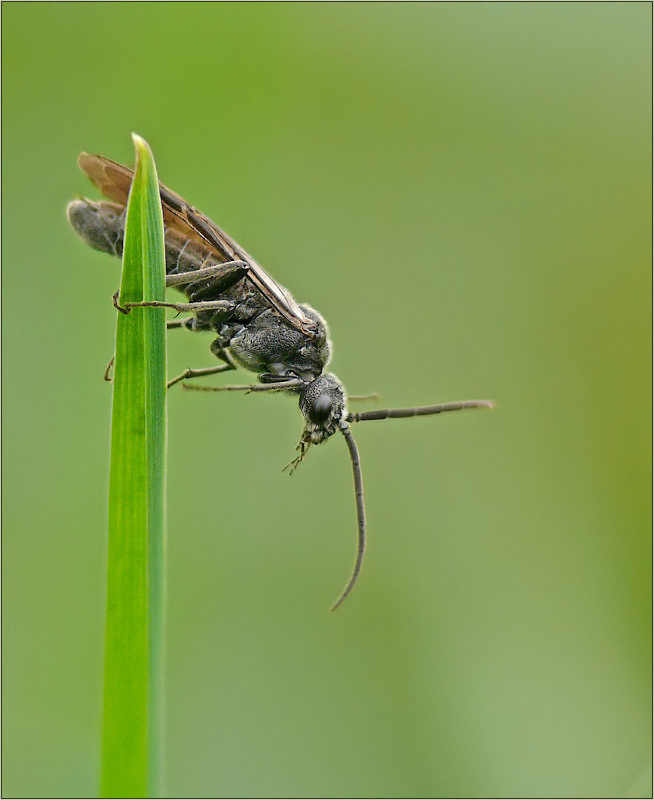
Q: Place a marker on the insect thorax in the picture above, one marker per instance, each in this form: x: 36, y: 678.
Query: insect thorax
x: 253, y: 334
x: 267, y: 343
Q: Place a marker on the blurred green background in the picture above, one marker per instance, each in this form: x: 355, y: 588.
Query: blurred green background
x: 463, y: 191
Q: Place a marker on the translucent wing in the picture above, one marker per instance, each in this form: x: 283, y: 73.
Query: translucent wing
x: 114, y: 181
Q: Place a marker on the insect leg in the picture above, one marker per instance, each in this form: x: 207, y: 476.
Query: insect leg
x: 204, y: 305
x: 225, y: 275
x: 198, y: 373
x: 177, y: 323
x: 294, y: 383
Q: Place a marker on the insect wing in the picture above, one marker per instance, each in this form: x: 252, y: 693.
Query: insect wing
x: 279, y: 297
x: 114, y: 181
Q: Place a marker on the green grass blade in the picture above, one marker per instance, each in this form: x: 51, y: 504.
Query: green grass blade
x: 132, y: 722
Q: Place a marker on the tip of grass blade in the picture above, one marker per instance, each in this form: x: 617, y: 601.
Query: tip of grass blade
x: 141, y: 146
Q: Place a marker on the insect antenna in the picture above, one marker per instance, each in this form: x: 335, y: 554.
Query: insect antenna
x: 420, y: 411
x: 384, y: 413
x: 361, y: 513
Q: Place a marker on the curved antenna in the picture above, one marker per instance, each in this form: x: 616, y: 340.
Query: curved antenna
x: 361, y: 513
x: 421, y: 411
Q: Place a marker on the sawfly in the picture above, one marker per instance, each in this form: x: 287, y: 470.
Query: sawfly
x: 256, y: 322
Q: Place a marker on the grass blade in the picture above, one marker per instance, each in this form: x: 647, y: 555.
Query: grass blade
x: 132, y: 721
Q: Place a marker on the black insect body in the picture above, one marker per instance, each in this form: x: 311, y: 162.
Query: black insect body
x: 257, y: 323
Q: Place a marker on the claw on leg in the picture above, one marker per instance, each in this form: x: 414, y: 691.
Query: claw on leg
x: 108, y: 368
x: 117, y: 304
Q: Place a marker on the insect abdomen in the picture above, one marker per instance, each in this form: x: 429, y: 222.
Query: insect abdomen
x: 102, y: 227
x: 99, y: 225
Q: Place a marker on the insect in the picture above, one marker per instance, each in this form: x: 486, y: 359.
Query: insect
x: 256, y: 321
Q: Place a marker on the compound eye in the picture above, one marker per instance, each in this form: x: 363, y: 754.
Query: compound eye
x: 321, y: 408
